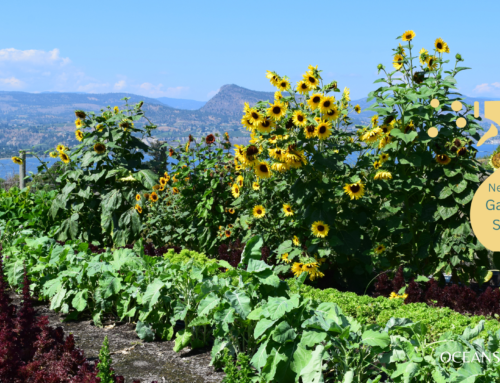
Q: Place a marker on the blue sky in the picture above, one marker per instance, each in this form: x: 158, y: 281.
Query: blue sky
x: 189, y: 49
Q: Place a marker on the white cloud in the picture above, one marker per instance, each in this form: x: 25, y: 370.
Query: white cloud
x: 212, y: 93
x: 119, y: 85
x: 94, y: 88
x: 12, y: 82
x: 156, y: 90
x: 492, y: 89
x: 33, y: 56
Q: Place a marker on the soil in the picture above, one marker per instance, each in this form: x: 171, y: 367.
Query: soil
x: 133, y: 358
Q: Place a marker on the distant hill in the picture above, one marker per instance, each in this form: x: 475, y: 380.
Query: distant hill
x: 180, y: 103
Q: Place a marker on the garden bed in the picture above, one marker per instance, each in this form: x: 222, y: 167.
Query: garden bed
x: 132, y: 358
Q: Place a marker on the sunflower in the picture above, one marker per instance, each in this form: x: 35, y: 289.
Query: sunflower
x: 297, y: 269
x: 227, y: 233
x: 246, y: 123
x: 440, y: 45
x: 79, y: 135
x: 284, y: 257
x: 138, y: 208
x: 401, y: 50
x: 60, y: 148
x: 383, y: 157
x: 374, y: 120
x: 146, y: 195
x: 314, y: 101
x: 384, y: 141
x: 163, y: 181
x: 283, y: 84
x: 278, y: 95
x: 186, y: 148
x: 78, y: 123
x: 210, y: 139
x: 398, y: 61
x: 287, y: 209
x: 377, y: 164
x: 280, y: 167
x: 355, y: 190
x: 53, y: 154
x: 235, y: 190
x: 262, y: 170
x: 116, y: 109
x: 299, y: 118
x: 379, y: 249
x: 443, y: 159
x: 273, y: 77
x: 302, y: 87
x: 408, y: 36
x: 316, y: 274
x: 323, y: 130
x: 311, y: 81
x: 255, y: 186
x: 153, y: 197
x: 296, y: 240
x: 80, y: 114
x: 175, y: 190
x: 17, y: 160
x: 230, y: 211
x: 431, y: 62
x: 357, y: 109
x: 462, y: 151
x: 99, y: 148
x: 276, y: 153
x: 266, y: 125
x: 422, y: 56
x: 277, y: 110
x: 383, y: 175
x: 64, y: 157
x: 310, y: 131
x: 320, y: 229
x: 372, y: 135
x: 386, y: 128
x: 239, y: 181
x: 259, y: 211
x: 333, y: 113
x: 254, y: 116
x: 137, y: 197
x: 326, y: 104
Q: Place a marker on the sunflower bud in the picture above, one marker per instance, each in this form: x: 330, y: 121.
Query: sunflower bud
x: 458, y: 56
x: 139, y: 106
x: 380, y: 67
x: 80, y: 114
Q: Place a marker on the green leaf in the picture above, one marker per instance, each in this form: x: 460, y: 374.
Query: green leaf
x: 467, y: 373
x: 79, y: 302
x: 153, y: 293
x: 447, y: 212
x: 147, y: 177
x: 278, y: 306
x: 262, y: 326
x: 112, y: 200
x: 144, y: 331
x: 260, y: 357
x: 57, y: 300
x: 207, y: 304
x: 110, y: 286
x: 182, y: 339
x: 471, y: 177
x: 252, y: 249
x: 376, y: 338
x: 283, y: 332
x: 256, y: 266
x: 240, y: 302
x: 472, y: 333
x: 313, y: 371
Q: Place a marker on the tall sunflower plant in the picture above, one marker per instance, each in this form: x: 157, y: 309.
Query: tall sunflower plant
x: 102, y: 175
x: 423, y: 172
x: 299, y: 190
x: 190, y: 206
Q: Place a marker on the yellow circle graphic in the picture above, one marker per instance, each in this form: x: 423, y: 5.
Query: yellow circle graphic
x: 432, y: 132
x: 461, y: 122
x: 435, y: 103
x: 456, y: 106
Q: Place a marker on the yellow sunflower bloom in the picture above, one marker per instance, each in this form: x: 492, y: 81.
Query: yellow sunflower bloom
x: 296, y: 240
x: 99, y: 148
x: 302, y: 87
x: 283, y: 84
x: 432, y: 62
x: 17, y: 160
x: 277, y: 110
x: 265, y: 126
x: 314, y: 101
x: 259, y: 211
x: 408, y: 36
x: 383, y: 175
x: 255, y: 186
x: 235, y: 190
x: 64, y: 157
x: 323, y: 130
x: 299, y: 118
x: 231, y: 211
x: 383, y: 157
x: 443, y: 159
x: 377, y: 164
x: 254, y: 116
x: 60, y: 148
x: 280, y: 167
x: 153, y: 197
x: 422, y: 56
x: 276, y: 153
x: 384, y: 141
x: 278, y: 95
x: 440, y: 45
x: 175, y: 190
x: 53, y: 154
x: 138, y: 208
x: 246, y: 123
x: 273, y: 77
x: 372, y: 135
x: 357, y: 109
x: 284, y: 257
x: 379, y: 249
x: 355, y: 190
x: 310, y: 131
x: 79, y: 135
x: 320, y: 229
x: 311, y: 81
x: 398, y: 61
x: 297, y: 269
x: 116, y: 109
x: 138, y: 197
x: 333, y: 114
x: 239, y: 181
x: 326, y: 104
x: 287, y: 209
x: 262, y: 170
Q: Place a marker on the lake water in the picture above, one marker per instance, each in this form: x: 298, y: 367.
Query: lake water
x: 8, y: 168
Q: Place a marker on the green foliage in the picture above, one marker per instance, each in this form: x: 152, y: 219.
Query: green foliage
x: 186, y: 255
x: 101, y: 178
x: 234, y: 374
x: 104, y: 365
